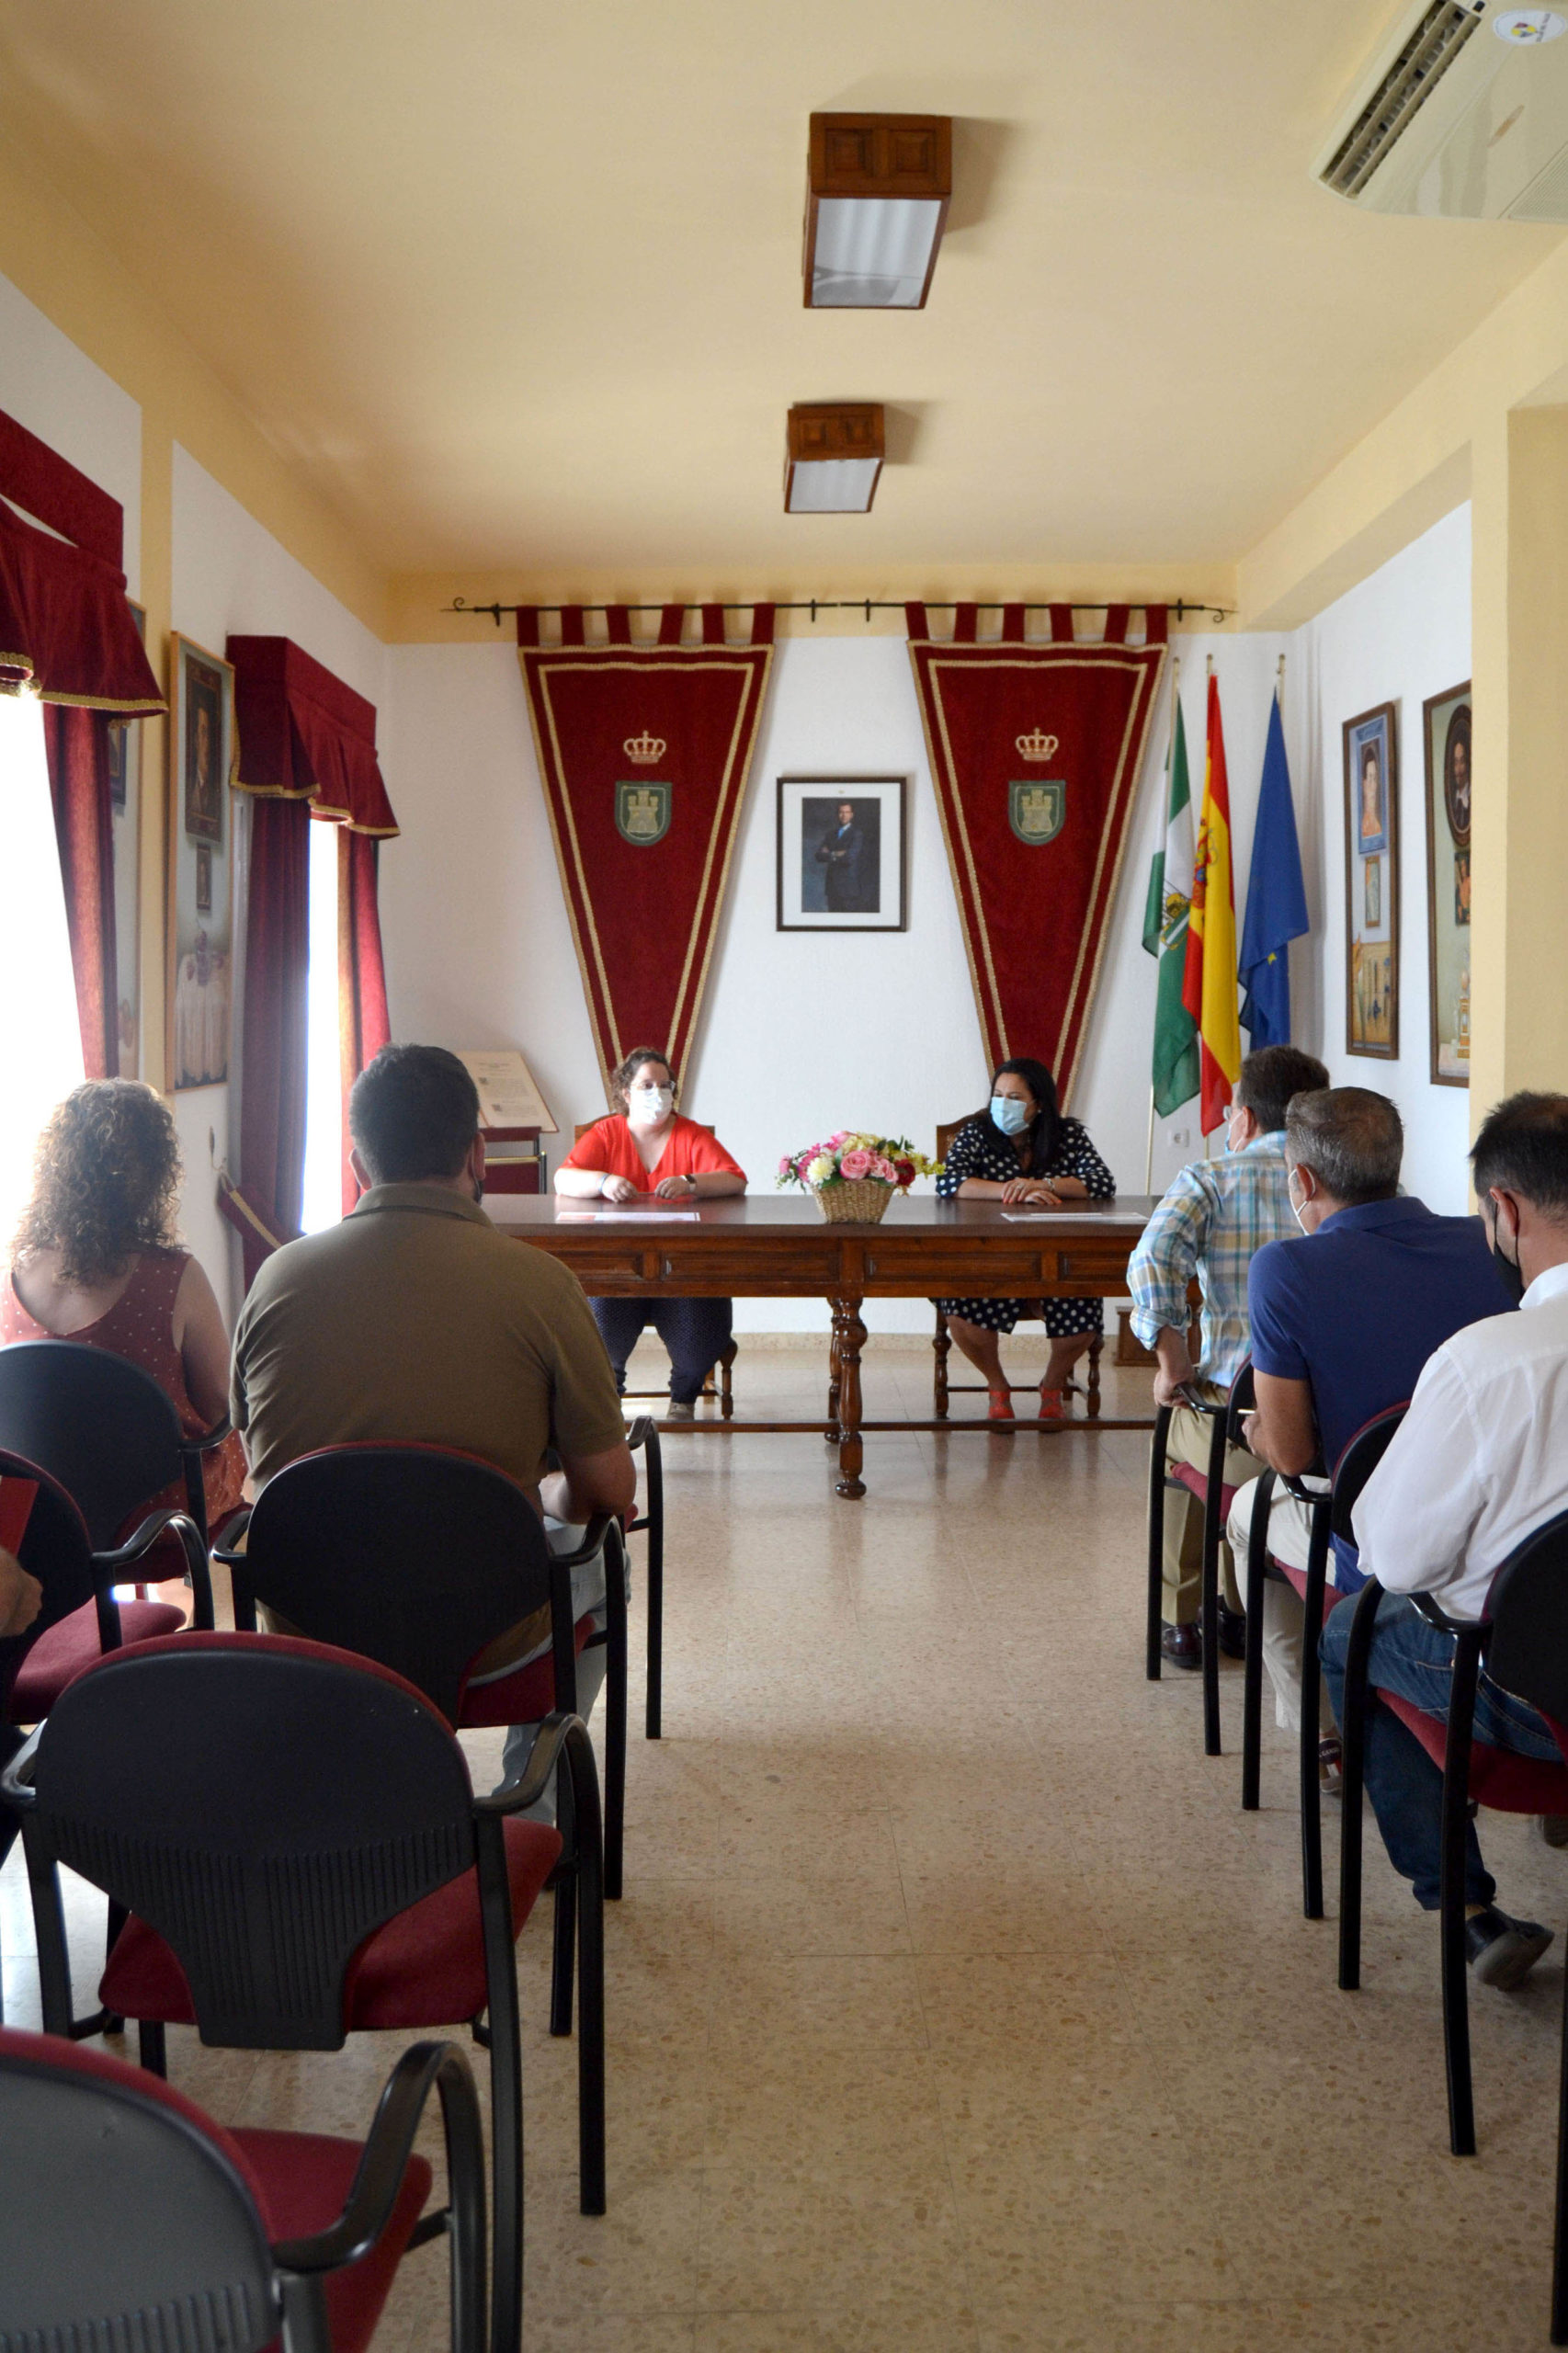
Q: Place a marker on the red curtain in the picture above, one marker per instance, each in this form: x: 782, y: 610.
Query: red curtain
x: 76, y: 743
x: 305, y: 735
x: 362, y: 1025
x: 65, y: 626
x: 264, y: 1207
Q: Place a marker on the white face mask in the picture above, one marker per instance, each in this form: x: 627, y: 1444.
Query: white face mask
x: 1295, y: 1212
x: 648, y: 1105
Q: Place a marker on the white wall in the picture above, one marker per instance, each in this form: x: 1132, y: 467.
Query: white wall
x: 228, y: 576
x: 1400, y: 637
x: 57, y: 392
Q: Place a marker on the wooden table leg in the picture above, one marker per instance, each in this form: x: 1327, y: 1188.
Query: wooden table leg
x: 830, y: 1431
x: 943, y: 1347
x: 848, y: 1337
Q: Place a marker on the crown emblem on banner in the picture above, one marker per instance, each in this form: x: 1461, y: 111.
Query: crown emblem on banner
x: 644, y: 749
x: 1035, y: 747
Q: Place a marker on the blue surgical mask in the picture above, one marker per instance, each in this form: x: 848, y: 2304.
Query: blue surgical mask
x: 1009, y: 1113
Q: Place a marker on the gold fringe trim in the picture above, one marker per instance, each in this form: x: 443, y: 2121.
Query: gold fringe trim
x: 338, y: 816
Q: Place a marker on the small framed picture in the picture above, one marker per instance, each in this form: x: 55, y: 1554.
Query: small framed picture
x: 1445, y: 731
x: 841, y: 853
x: 202, y: 762
x: 125, y: 837
x: 1371, y: 883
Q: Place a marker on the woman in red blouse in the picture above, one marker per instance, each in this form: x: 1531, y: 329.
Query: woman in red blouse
x: 645, y: 1147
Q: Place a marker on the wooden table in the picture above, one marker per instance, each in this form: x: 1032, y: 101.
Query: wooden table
x: 749, y: 1246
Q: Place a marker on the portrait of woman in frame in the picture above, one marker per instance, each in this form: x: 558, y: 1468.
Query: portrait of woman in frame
x: 1371, y: 883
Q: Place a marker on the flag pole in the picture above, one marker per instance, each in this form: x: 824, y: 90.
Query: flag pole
x: 1279, y: 686
x: 1207, y: 1152
x: 1148, y: 1163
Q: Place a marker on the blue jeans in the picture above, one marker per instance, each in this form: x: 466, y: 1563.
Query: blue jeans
x: 695, y: 1331
x: 1413, y: 1659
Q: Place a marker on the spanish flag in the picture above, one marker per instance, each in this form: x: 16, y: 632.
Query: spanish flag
x: 1208, y: 981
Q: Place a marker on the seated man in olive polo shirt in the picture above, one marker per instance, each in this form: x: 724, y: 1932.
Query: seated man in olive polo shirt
x: 414, y: 1320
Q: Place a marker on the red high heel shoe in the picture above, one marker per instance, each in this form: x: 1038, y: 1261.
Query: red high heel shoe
x: 1001, y: 1407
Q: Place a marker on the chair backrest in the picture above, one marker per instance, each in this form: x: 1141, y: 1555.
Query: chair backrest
x: 581, y: 1130
x: 1528, y: 1608
x: 42, y: 1526
x: 947, y: 1131
x: 263, y: 1805
x: 127, y: 2219
x: 99, y: 1425
x: 1359, y: 1458
x: 410, y: 1555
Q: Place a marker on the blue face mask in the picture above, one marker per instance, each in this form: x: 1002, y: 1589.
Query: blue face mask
x: 1010, y: 1114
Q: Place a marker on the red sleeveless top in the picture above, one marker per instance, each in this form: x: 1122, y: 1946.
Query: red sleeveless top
x: 140, y: 1327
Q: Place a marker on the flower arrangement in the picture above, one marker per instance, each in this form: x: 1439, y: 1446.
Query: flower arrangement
x: 852, y: 1157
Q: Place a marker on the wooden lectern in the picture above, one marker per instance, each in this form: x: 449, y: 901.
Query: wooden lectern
x: 513, y: 1117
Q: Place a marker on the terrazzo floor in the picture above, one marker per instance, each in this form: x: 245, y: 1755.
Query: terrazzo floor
x: 953, y: 2003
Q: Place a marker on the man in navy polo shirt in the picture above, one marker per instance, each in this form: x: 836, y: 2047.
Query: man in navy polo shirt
x: 1343, y: 1319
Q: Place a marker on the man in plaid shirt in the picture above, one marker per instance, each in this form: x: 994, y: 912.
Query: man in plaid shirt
x: 1212, y: 1219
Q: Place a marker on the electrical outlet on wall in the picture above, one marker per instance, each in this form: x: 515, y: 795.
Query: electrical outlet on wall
x: 1181, y: 1135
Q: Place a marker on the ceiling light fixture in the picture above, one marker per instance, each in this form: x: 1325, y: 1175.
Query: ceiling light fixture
x: 877, y: 192
x: 835, y: 456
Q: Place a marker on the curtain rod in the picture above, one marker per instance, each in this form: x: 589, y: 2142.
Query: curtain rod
x: 1178, y: 608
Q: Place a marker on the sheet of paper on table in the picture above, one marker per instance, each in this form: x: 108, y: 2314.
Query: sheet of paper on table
x: 634, y: 1217
x: 1027, y: 1217
x: 508, y: 1097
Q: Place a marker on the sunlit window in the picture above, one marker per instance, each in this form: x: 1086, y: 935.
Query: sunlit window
x: 324, y: 1095
x: 41, y: 1039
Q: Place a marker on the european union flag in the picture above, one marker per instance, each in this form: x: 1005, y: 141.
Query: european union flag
x: 1277, y: 901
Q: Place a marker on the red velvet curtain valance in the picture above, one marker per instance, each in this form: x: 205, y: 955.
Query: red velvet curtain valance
x: 65, y: 628
x: 306, y: 736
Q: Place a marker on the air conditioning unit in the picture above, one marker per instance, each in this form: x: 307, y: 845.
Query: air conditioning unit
x: 1463, y: 117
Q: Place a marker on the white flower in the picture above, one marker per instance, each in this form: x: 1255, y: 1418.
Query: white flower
x: 822, y: 1168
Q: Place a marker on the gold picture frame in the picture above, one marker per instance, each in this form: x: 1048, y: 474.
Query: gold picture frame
x: 1446, y: 743
x: 1371, y: 898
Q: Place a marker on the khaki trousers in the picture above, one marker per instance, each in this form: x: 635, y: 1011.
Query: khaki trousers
x: 1284, y: 1618
x: 1183, y: 1557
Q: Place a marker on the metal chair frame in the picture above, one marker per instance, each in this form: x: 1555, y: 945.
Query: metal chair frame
x: 1209, y: 1584
x: 643, y: 1437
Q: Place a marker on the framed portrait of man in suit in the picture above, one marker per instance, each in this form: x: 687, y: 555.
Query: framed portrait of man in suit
x: 841, y: 853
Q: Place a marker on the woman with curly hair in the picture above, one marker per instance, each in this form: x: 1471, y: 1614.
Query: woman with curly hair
x: 97, y: 1258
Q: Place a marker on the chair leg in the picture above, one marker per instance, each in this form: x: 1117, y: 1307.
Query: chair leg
x: 1450, y: 1907
x: 1097, y: 1348
x: 1560, y: 2211
x: 1156, y: 1542
x: 1312, y: 1679
x: 591, y: 1990
x: 1352, y: 1778
x: 1209, y: 1600
x: 942, y: 1348
x: 505, y: 2090
x: 152, y: 2051
x: 726, y: 1387
x: 614, y: 1711
x: 1252, y: 1672
x: 655, y: 1714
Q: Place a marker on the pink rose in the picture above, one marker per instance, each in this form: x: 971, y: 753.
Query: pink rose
x: 855, y: 1163
x: 883, y: 1167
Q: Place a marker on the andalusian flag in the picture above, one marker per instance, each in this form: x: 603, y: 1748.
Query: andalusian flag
x: 1175, y: 1071
x: 1208, y: 981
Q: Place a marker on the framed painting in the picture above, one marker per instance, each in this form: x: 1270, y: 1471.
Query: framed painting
x: 1371, y: 883
x: 202, y: 761
x: 1446, y: 736
x: 841, y: 853
x: 125, y: 850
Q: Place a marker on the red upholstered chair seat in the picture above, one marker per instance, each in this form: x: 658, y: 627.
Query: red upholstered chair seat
x: 1510, y: 1783
x: 303, y: 2180
x: 1188, y: 1475
x: 59, y: 1657
x: 524, y: 1696
x: 1298, y: 1578
x: 424, y: 1967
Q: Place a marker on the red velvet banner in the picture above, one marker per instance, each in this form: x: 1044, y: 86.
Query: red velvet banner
x: 644, y: 752
x: 1035, y: 754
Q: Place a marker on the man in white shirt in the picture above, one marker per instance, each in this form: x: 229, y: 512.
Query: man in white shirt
x: 1479, y: 1463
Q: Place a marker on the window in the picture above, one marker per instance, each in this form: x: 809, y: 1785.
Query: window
x: 324, y: 1083
x: 40, y: 1040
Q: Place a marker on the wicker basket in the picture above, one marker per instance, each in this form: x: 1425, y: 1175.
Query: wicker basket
x: 854, y: 1200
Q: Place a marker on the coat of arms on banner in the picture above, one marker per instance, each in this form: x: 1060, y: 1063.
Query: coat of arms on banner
x: 1037, y: 810
x: 643, y: 811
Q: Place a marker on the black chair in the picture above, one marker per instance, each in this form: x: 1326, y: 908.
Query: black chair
x: 293, y: 1832
x: 1209, y: 1487
x: 420, y: 1558
x: 104, y: 1428
x: 1330, y: 1516
x: 643, y: 1437
x: 131, y: 2218
x: 1523, y: 1643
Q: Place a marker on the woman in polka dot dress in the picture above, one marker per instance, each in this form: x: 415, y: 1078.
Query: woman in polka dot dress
x: 1021, y: 1149
x: 97, y: 1260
